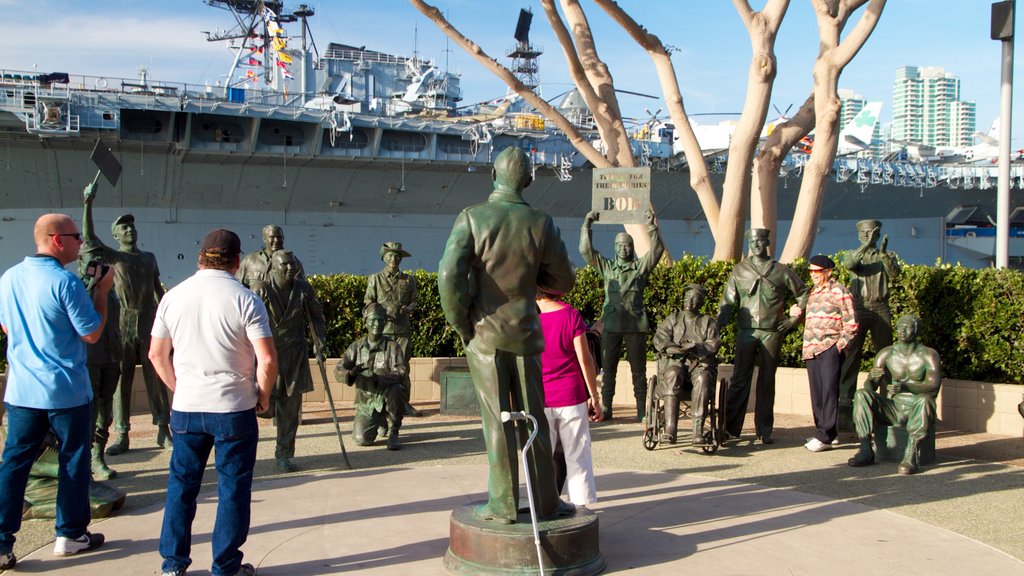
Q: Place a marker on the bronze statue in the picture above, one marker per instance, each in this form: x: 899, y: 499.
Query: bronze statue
x: 375, y: 365
x: 687, y: 343
x: 292, y: 306
x: 103, y: 359
x: 900, y: 391
x: 757, y: 291
x: 138, y: 288
x: 41, y: 489
x: 396, y: 292
x: 871, y: 268
x: 624, y: 315
x: 497, y: 256
x: 256, y: 265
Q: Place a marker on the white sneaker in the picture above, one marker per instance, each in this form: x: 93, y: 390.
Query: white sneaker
x: 815, y: 445
x: 835, y: 441
x: 68, y: 546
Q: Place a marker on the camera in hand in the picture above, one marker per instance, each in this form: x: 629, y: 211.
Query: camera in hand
x: 95, y: 270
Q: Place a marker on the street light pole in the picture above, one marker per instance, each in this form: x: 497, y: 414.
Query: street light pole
x: 1002, y: 30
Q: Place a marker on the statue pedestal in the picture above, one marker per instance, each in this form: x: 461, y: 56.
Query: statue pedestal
x: 569, y: 545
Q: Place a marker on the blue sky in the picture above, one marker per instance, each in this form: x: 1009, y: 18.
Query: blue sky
x: 112, y: 38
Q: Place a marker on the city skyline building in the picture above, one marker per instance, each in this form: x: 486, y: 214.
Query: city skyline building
x: 927, y: 109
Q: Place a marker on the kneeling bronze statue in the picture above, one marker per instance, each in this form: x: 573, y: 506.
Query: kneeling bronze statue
x: 375, y: 365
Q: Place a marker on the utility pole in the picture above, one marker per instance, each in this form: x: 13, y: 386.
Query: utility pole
x: 1002, y: 30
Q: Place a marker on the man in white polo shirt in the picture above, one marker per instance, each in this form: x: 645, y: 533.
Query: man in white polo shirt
x: 222, y: 373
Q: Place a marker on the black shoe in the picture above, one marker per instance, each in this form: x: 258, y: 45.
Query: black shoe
x: 8, y: 561
x: 286, y: 465
x: 393, y: 442
x: 411, y: 410
x: 120, y: 445
x: 563, y: 510
x: 245, y: 570
x: 767, y: 439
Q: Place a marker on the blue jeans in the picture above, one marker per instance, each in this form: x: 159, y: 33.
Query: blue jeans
x: 26, y: 430
x: 233, y: 435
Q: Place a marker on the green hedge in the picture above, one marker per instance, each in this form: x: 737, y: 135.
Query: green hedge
x: 974, y: 318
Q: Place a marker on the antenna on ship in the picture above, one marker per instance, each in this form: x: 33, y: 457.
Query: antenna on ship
x: 524, y: 55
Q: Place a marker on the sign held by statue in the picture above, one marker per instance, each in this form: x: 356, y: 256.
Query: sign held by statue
x: 622, y: 195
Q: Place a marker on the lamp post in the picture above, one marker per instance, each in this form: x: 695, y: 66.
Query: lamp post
x: 1002, y: 30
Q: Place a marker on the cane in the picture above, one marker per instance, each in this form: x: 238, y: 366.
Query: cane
x: 513, y: 416
x: 318, y: 347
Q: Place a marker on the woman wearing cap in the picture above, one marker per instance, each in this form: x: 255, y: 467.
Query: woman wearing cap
x: 568, y: 372
x: 829, y: 327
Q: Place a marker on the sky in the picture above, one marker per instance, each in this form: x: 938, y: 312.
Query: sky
x: 112, y: 38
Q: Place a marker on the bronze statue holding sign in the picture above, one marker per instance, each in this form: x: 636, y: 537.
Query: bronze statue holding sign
x: 624, y: 315
x: 138, y: 288
x: 497, y: 256
x: 871, y: 268
x: 900, y: 391
x: 757, y: 291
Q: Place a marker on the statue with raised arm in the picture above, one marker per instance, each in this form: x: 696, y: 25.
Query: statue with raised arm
x: 498, y: 254
x: 256, y: 265
x: 396, y: 291
x: 292, y: 306
x: 871, y: 268
x: 624, y: 315
x: 757, y: 292
x: 375, y: 366
x: 687, y: 344
x: 138, y: 288
x: 900, y: 391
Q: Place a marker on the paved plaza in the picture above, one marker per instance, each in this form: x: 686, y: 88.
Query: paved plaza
x: 748, y: 509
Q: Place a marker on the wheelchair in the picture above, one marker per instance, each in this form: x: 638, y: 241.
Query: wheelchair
x: 714, y: 432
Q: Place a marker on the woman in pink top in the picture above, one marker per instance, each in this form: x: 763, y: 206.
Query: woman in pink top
x: 568, y: 371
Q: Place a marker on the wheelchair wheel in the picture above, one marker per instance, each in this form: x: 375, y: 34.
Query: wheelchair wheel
x: 650, y: 438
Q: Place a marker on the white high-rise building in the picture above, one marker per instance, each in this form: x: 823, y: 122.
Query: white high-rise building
x: 927, y: 109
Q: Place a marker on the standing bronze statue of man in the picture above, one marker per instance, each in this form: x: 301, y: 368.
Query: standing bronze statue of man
x: 256, y: 265
x: 138, y: 288
x: 687, y: 343
x: 624, y: 315
x: 375, y: 366
x: 396, y: 291
x: 900, y: 391
x: 497, y: 256
x: 292, y: 306
x: 871, y: 268
x: 757, y: 291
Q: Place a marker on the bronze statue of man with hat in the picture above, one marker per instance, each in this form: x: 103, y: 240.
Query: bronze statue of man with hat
x: 256, y: 265
x: 396, y: 291
x: 757, y: 292
x: 138, y: 288
x: 624, y: 315
x: 871, y: 268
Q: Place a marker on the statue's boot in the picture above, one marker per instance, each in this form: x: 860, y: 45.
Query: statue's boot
x: 698, y: 432
x: 909, y: 464
x: 120, y: 445
x: 671, y: 410
x: 393, y: 442
x: 100, y: 470
x: 285, y: 464
x: 163, y: 436
x: 411, y: 410
x: 865, y: 456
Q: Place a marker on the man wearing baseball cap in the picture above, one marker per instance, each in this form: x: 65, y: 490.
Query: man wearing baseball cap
x: 222, y: 373
x: 829, y: 327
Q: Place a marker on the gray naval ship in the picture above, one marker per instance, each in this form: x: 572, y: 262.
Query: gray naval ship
x: 351, y: 147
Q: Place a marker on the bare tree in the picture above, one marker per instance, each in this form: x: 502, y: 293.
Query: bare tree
x: 833, y: 58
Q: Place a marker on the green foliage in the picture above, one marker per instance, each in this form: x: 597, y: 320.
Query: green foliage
x: 973, y: 318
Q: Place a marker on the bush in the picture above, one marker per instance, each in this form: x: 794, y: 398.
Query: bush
x: 974, y: 318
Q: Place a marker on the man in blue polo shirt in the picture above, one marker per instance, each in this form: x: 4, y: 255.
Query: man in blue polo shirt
x: 48, y: 317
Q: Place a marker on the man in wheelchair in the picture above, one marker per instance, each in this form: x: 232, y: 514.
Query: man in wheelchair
x: 687, y: 343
